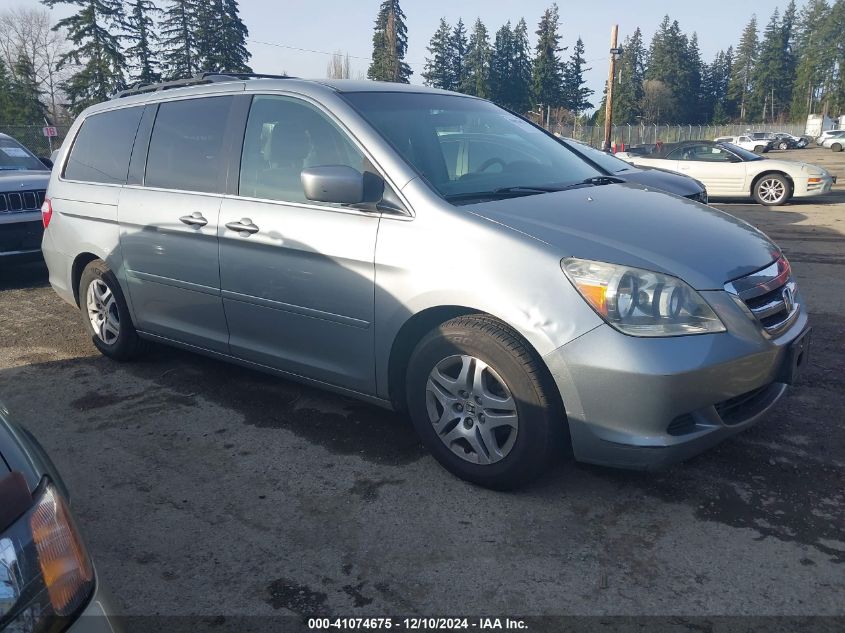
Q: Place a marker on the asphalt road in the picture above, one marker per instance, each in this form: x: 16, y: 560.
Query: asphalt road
x: 204, y: 488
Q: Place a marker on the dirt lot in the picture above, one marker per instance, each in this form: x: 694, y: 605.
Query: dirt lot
x: 203, y: 488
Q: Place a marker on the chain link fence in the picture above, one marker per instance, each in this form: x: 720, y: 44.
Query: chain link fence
x: 32, y: 137
x: 646, y: 134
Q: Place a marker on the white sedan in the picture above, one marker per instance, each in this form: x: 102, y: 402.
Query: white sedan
x: 729, y: 171
x: 836, y: 141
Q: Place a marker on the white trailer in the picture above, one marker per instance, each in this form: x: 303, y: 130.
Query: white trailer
x: 818, y: 123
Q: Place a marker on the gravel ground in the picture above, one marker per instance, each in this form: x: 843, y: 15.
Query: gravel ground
x: 204, y: 488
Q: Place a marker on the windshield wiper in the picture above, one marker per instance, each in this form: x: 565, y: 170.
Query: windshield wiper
x: 531, y: 190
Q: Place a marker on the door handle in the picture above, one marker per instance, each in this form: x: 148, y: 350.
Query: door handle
x: 195, y: 219
x: 244, y: 227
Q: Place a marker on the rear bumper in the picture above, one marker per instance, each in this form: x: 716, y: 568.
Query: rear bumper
x: 644, y: 403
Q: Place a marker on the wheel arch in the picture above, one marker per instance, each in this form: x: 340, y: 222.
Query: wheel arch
x: 776, y: 172
x: 420, y: 324
x: 79, y: 264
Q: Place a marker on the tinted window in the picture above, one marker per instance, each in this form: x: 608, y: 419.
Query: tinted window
x: 102, y: 148
x: 186, y: 147
x: 504, y: 151
x: 283, y: 137
x: 701, y: 153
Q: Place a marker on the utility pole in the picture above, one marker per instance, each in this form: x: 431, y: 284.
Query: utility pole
x: 615, y: 53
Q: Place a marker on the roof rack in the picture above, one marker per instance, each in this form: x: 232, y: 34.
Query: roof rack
x: 201, y: 78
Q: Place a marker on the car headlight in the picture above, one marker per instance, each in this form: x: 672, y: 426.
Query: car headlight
x: 46, y: 576
x: 641, y: 302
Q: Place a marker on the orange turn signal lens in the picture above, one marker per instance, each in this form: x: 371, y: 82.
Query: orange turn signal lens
x: 65, y: 565
x: 596, y: 295
x: 814, y: 181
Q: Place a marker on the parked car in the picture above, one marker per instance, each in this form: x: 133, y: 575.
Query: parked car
x: 23, y: 182
x: 784, y: 140
x: 729, y: 171
x: 661, y: 179
x: 758, y: 146
x: 314, y: 229
x: 835, y: 141
x: 820, y: 140
x: 47, y: 579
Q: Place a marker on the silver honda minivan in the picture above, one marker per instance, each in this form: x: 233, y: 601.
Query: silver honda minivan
x: 428, y: 252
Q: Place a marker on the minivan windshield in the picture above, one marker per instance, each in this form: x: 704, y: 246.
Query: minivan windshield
x: 469, y: 150
x: 15, y: 156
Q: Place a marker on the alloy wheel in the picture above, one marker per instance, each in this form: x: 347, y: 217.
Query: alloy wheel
x: 771, y: 190
x: 472, y: 409
x: 102, y: 311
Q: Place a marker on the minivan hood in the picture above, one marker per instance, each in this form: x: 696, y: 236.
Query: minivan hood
x: 628, y: 224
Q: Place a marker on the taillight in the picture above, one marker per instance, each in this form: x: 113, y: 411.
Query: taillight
x: 46, y: 212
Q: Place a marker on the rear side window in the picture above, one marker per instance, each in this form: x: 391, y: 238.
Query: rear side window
x: 186, y: 147
x: 102, y: 148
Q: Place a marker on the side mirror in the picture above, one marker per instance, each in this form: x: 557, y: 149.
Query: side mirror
x: 46, y: 161
x: 341, y: 184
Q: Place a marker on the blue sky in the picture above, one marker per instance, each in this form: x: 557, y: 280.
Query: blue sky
x: 346, y: 25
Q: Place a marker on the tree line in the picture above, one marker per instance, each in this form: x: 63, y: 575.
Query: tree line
x: 112, y: 44
x: 795, y: 67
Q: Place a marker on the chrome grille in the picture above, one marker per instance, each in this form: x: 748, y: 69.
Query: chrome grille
x: 770, y: 295
x: 21, y: 201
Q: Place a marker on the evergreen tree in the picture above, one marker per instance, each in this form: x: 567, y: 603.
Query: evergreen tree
x: 501, y: 66
x: 94, y: 31
x: 770, y: 72
x: 141, y: 34
x: 547, y: 76
x: 232, y: 53
x: 438, y: 70
x: 178, y: 39
x: 669, y: 64
x: 27, y: 105
x: 457, y: 52
x: 814, y: 64
x: 477, y: 62
x: 837, y: 27
x: 575, y: 92
x: 695, y: 106
x: 208, y: 26
x: 628, y: 92
x: 7, y: 115
x: 743, y: 69
x: 520, y: 81
x: 714, y: 88
x: 390, y: 44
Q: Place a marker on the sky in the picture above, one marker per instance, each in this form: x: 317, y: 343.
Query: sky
x: 298, y: 36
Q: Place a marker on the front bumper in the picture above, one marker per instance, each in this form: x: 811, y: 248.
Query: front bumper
x: 804, y: 188
x: 98, y: 616
x: 20, y: 236
x: 644, y: 403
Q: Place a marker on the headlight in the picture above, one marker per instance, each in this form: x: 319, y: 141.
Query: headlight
x: 641, y: 302
x: 46, y: 575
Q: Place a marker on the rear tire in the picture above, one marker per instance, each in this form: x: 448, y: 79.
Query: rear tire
x: 783, y: 145
x: 483, y: 403
x: 106, y: 314
x: 772, y: 190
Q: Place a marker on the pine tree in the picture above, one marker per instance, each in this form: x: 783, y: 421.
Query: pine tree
x: 457, y: 52
x: 27, y: 105
x: 837, y: 25
x: 7, y: 104
x: 669, y: 63
x: 95, y: 32
x: 477, y: 62
x: 628, y: 93
x: 390, y: 44
x: 232, y: 53
x: 695, y: 108
x: 501, y: 62
x: 575, y: 92
x: 743, y: 69
x: 141, y: 34
x: 438, y: 70
x: 520, y: 99
x: 724, y: 108
x: 178, y: 39
x: 208, y: 26
x: 814, y: 64
x: 547, y: 79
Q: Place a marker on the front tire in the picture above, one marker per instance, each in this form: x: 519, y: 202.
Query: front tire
x: 783, y: 145
x: 105, y: 313
x: 483, y: 403
x: 836, y: 147
x: 772, y: 190
x: 759, y: 149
